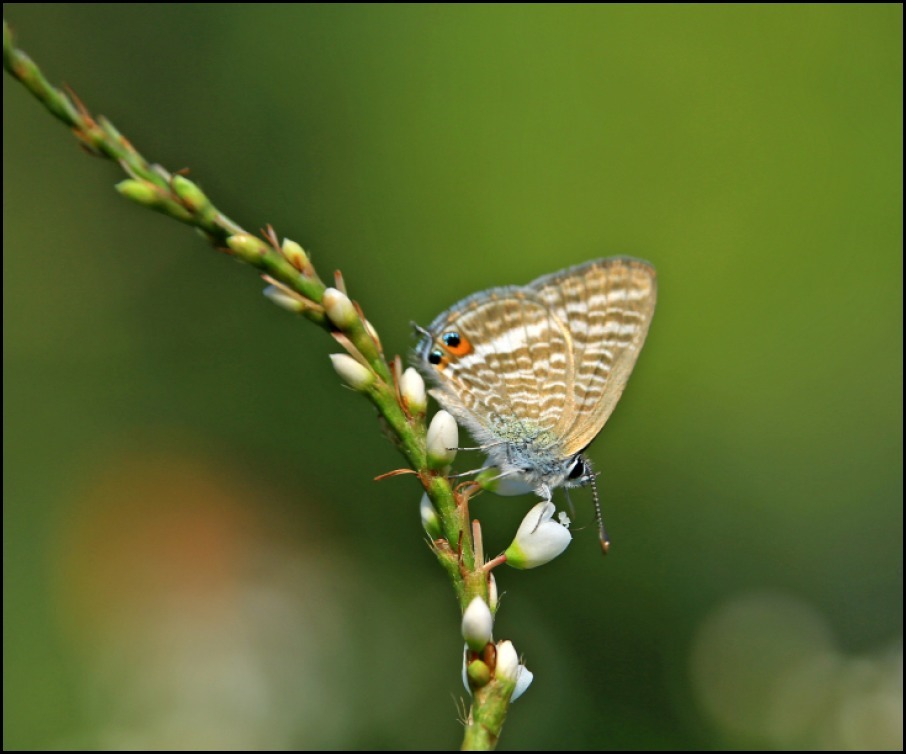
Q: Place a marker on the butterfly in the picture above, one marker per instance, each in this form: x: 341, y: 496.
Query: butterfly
x: 534, y: 371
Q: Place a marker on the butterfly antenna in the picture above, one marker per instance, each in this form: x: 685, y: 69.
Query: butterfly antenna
x: 419, y: 329
x: 602, y: 532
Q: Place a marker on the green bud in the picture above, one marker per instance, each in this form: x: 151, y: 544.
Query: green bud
x: 296, y: 256
x: 148, y: 195
x: 192, y: 196
x: 479, y: 674
x: 247, y: 247
x: 140, y: 192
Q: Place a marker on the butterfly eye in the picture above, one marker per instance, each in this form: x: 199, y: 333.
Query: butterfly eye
x: 436, y: 356
x: 456, y: 343
x: 578, y: 469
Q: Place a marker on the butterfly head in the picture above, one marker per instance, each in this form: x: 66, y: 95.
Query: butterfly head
x: 580, y: 473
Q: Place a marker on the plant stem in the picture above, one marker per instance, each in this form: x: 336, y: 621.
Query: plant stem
x: 174, y: 195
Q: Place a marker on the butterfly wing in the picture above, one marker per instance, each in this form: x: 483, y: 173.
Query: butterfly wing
x: 606, y: 306
x: 509, y: 372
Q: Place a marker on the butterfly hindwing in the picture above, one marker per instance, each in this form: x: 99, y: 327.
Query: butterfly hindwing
x: 606, y: 306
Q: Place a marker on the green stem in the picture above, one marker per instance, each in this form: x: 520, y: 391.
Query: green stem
x: 176, y: 196
x: 486, y: 718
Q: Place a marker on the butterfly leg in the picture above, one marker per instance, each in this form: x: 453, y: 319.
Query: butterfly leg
x: 470, y: 471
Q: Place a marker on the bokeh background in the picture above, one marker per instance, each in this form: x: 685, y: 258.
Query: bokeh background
x: 195, y: 554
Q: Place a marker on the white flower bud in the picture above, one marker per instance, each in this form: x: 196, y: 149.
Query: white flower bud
x: 539, y: 538
x: 430, y: 519
x: 443, y: 439
x: 339, y: 308
x: 412, y: 388
x: 284, y: 300
x: 509, y: 668
x: 507, y: 661
x: 355, y: 375
x: 477, y: 624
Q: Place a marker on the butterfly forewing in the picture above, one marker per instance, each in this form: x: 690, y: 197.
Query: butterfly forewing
x: 513, y: 371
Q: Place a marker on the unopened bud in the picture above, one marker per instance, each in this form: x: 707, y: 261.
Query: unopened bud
x: 412, y: 389
x: 479, y: 674
x: 140, y: 192
x: 355, y: 375
x: 430, y: 519
x: 296, y: 255
x: 284, y: 300
x: 153, y: 197
x: 339, y: 309
x: 477, y: 624
x: 443, y: 439
x: 190, y: 194
x: 247, y: 248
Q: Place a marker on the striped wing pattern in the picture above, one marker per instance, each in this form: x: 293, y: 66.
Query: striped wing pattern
x: 541, y: 367
x: 607, y: 306
x: 514, y: 379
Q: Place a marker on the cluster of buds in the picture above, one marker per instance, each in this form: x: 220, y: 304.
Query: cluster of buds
x: 360, y: 365
x: 280, y: 294
x: 483, y: 660
x: 356, y: 367
x: 355, y: 372
x: 539, y: 539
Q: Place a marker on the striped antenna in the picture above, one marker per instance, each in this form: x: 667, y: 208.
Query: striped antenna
x: 602, y: 532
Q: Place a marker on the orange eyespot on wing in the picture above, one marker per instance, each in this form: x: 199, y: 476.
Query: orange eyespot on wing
x: 456, y: 343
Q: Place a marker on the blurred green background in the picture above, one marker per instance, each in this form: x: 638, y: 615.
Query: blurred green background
x: 195, y: 554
